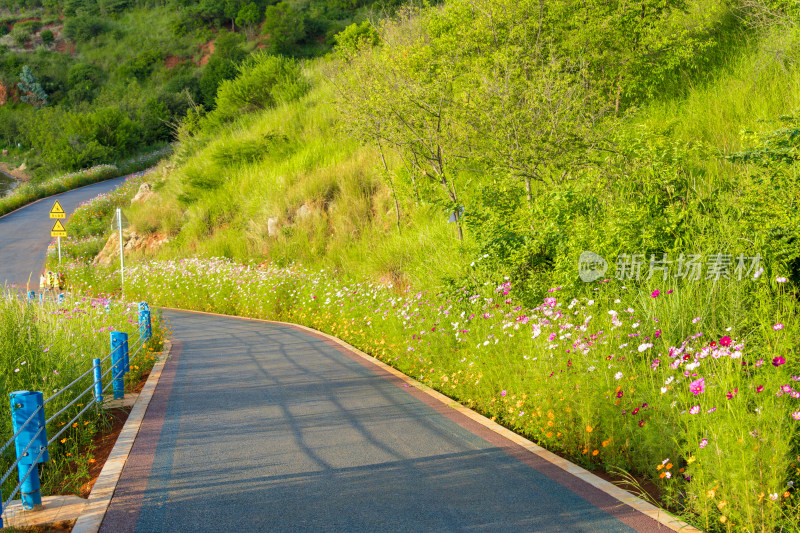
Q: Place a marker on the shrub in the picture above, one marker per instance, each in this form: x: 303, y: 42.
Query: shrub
x: 264, y: 81
x: 85, y: 27
x: 47, y: 37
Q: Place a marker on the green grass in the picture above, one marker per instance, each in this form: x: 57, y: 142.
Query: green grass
x: 44, y: 347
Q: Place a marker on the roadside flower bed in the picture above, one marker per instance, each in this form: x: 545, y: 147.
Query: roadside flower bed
x: 44, y: 347
x: 711, y: 418
x: 30, y: 192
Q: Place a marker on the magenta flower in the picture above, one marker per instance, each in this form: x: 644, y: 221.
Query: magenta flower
x: 655, y: 293
x: 703, y: 443
x: 760, y: 388
x: 697, y: 386
x: 503, y: 393
x: 778, y: 361
x: 725, y: 341
x: 778, y: 326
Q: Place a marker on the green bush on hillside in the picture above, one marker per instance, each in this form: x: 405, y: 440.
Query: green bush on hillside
x: 263, y: 81
x: 84, y: 28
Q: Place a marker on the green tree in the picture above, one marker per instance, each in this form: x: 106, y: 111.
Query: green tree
x: 284, y: 27
x: 228, y: 53
x: 356, y: 36
x: 32, y: 92
x: 248, y: 18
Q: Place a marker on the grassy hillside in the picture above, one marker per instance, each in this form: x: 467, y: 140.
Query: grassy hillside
x: 439, y: 170
x: 90, y: 81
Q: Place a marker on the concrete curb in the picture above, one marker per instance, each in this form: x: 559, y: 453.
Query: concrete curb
x: 92, y: 515
x: 623, y: 496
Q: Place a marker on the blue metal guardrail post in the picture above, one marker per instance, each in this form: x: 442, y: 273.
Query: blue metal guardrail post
x: 23, y: 405
x: 61, y: 298
x: 126, y: 354
x: 145, y: 324
x: 31, y: 295
x: 118, y: 363
x: 41, y: 297
x: 98, y: 382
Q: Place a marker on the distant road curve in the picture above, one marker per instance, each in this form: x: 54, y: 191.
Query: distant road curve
x: 25, y: 233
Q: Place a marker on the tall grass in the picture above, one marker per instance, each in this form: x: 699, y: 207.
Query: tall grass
x: 44, y: 347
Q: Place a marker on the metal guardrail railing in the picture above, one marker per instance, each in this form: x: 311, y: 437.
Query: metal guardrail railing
x: 28, y: 411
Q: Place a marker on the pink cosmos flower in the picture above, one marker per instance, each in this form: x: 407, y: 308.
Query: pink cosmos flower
x: 760, y: 388
x: 655, y: 293
x: 778, y: 326
x: 698, y: 386
x: 796, y: 415
x: 703, y: 443
x: 778, y: 361
x: 781, y: 280
x: 725, y: 341
x: 503, y: 393
x: 694, y: 410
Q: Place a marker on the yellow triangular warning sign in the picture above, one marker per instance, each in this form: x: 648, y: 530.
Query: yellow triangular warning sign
x: 58, y: 230
x: 57, y: 211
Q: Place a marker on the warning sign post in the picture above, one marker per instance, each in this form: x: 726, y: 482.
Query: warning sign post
x: 58, y: 231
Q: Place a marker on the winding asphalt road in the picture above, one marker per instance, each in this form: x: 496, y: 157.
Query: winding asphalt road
x: 265, y: 427
x: 25, y: 233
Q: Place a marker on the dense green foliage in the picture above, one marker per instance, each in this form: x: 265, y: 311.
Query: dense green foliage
x: 110, y: 77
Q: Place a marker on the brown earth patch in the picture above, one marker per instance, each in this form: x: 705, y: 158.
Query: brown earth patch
x: 20, y: 173
x: 66, y: 48
x: 206, y: 51
x: 172, y: 61
x: 8, y: 94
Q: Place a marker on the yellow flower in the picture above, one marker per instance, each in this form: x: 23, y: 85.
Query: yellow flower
x: 659, y: 467
x: 722, y: 504
x: 690, y: 460
x: 63, y: 440
x: 723, y: 519
x: 710, y: 494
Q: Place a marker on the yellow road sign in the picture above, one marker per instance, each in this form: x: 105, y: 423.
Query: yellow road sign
x: 58, y: 230
x: 57, y: 211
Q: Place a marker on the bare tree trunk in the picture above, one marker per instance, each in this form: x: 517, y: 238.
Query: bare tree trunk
x: 528, y: 189
x: 391, y: 186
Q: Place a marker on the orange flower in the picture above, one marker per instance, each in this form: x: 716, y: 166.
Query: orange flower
x: 589, y: 429
x: 595, y: 452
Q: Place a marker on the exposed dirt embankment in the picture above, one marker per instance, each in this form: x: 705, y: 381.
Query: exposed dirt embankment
x: 20, y: 173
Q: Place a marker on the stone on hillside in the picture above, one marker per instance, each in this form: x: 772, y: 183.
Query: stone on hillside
x: 303, y: 212
x: 132, y: 242
x: 273, y: 229
x: 109, y: 251
x: 144, y: 193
